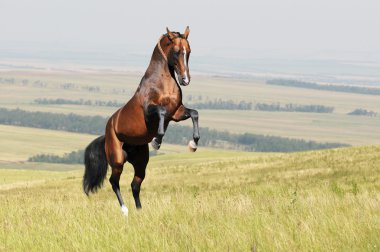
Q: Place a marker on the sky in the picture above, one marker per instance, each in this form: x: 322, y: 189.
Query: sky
x: 235, y: 28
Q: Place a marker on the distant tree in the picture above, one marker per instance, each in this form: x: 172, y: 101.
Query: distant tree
x: 74, y: 157
x: 175, y: 134
x: 336, y: 88
x: 363, y: 112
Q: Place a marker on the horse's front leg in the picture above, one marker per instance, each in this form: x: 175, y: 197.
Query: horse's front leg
x: 161, y: 113
x: 184, y: 113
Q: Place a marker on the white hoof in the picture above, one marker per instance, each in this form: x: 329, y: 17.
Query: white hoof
x: 155, y: 145
x: 124, y: 209
x: 192, y: 146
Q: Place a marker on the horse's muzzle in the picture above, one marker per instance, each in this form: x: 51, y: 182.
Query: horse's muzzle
x: 185, y: 81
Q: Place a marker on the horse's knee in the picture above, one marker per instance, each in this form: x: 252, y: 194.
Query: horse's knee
x: 194, y: 114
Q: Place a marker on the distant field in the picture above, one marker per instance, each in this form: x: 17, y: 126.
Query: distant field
x: 20, y: 143
x: 335, y: 127
x: 112, y: 83
x: 205, y: 201
x: 354, y: 130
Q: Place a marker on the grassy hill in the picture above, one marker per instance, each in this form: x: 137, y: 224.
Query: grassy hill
x: 210, y: 200
x: 205, y: 201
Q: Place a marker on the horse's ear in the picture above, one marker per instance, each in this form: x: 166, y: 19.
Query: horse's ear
x: 187, y: 31
x: 170, y: 34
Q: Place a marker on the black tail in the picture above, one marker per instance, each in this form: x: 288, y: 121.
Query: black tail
x: 95, y: 162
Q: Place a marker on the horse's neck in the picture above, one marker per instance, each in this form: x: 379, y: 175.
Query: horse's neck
x: 158, y: 73
x: 157, y: 63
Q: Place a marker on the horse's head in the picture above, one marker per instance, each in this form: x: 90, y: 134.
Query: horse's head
x: 178, y: 53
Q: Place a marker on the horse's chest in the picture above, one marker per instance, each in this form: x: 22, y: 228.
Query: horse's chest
x: 169, y: 101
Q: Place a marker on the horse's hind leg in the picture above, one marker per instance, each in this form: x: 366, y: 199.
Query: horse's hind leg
x: 139, y: 158
x: 114, y: 180
x: 116, y: 158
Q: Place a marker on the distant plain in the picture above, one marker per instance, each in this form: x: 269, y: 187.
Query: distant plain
x: 208, y: 200
x: 120, y: 86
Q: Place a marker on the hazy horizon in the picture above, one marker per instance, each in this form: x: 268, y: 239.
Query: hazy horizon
x: 289, y: 25
x: 244, y: 35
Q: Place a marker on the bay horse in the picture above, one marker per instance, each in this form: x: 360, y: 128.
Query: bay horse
x: 143, y: 119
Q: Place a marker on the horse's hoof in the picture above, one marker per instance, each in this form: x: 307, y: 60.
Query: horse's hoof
x: 192, y: 146
x: 124, y: 209
x: 155, y: 145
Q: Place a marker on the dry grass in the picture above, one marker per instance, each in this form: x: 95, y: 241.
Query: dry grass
x: 219, y: 201
x: 20, y: 143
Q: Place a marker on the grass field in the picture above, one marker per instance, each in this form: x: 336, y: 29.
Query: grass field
x: 354, y: 130
x: 112, y: 83
x: 211, y: 200
x: 19, y: 143
x: 119, y: 86
x: 205, y: 201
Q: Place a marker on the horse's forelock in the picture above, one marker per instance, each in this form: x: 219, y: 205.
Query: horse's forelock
x: 177, y: 35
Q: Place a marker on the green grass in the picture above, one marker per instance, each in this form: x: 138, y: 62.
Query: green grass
x: 205, y: 201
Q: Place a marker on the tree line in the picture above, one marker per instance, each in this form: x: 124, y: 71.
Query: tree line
x: 176, y: 134
x: 61, y: 101
x: 336, y: 88
x: 294, y: 108
x: 222, y: 104
x: 215, y: 104
x: 44, y: 84
x: 363, y: 112
x: 74, y: 157
x: 54, y: 121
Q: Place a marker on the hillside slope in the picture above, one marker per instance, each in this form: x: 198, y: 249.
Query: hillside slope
x: 209, y: 200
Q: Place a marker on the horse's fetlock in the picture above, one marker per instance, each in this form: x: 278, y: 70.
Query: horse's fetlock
x: 196, y: 139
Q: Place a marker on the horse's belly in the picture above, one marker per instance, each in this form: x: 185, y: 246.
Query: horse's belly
x: 130, y: 126
x: 137, y: 140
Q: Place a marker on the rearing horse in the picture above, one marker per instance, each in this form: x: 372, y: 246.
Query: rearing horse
x: 143, y: 119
